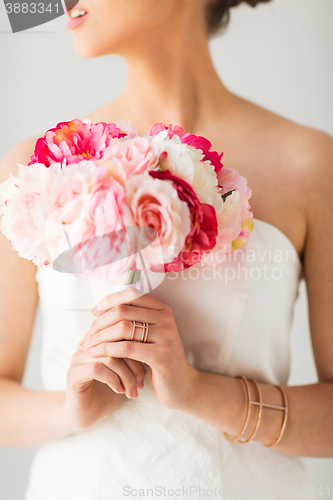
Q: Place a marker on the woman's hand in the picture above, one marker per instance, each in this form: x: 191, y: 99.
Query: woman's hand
x: 170, y: 373
x: 95, y: 387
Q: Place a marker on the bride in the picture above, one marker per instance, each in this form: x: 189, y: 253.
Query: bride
x: 107, y: 426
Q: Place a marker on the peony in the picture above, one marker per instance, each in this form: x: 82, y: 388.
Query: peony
x: 106, y: 255
x: 94, y: 196
x: 135, y: 155
x: 89, y: 205
x: 155, y: 203
x: 235, y: 221
x: 22, y: 199
x: 195, y: 141
x: 74, y: 141
x: 111, y: 215
x: 126, y: 128
x: 67, y: 208
x: 108, y: 207
x: 203, y: 233
x: 187, y: 163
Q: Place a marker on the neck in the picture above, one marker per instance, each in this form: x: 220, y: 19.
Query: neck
x: 173, y: 83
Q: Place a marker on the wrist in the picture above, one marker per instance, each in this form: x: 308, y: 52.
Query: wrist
x: 192, y: 395
x: 216, y: 399
x: 63, y: 423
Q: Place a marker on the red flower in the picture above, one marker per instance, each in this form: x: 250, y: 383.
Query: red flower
x: 74, y: 141
x: 204, y: 231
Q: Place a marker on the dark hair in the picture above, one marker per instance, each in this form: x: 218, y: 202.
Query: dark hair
x: 217, y: 13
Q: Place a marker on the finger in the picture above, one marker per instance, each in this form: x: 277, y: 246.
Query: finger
x: 131, y: 374
x: 131, y: 296
x: 81, y: 375
x: 136, y: 367
x: 124, y: 373
x: 146, y: 353
x: 121, y: 331
x: 123, y: 312
x: 138, y: 371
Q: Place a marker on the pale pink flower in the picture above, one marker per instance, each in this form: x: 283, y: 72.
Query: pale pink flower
x: 107, y: 255
x: 67, y: 208
x: 134, y: 155
x: 104, y: 247
x: 108, y: 207
x: 235, y: 221
x: 23, y: 221
x: 110, y: 214
x: 197, y: 141
x: 126, y: 128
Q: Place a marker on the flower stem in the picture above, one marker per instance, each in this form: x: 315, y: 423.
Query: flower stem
x: 133, y: 277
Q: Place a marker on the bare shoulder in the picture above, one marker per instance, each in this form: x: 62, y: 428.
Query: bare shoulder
x: 286, y: 165
x: 18, y: 154
x: 296, y: 143
x: 304, y: 157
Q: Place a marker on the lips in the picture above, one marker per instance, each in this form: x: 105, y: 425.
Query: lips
x: 76, y: 17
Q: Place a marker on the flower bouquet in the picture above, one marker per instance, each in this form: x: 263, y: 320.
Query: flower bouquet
x: 98, y: 199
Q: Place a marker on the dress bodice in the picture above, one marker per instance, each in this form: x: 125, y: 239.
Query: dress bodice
x: 233, y: 320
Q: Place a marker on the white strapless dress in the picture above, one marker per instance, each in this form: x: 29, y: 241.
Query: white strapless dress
x: 232, y: 321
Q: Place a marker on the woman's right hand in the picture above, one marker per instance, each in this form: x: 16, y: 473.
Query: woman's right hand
x: 96, y: 387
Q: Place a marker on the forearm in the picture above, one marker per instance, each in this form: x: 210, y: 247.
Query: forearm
x: 221, y: 402
x: 30, y: 418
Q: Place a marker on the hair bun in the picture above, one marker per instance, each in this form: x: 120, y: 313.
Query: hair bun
x: 217, y: 12
x: 252, y: 3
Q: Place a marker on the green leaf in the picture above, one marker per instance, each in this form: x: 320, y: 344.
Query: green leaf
x: 225, y: 195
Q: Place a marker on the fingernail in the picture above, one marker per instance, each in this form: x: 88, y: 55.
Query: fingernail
x: 140, y: 384
x: 133, y: 394
x: 87, y: 335
x: 84, y: 342
x: 91, y: 349
x: 94, y: 310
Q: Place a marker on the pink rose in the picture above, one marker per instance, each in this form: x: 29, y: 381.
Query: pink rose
x: 203, y: 233
x: 134, y: 155
x: 74, y: 141
x: 155, y: 203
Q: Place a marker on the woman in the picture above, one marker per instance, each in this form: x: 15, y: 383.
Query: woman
x: 104, y: 430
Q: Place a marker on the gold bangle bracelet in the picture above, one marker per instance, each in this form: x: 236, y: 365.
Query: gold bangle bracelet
x: 232, y: 440
x: 284, y: 408
x: 261, y: 405
x: 259, y: 412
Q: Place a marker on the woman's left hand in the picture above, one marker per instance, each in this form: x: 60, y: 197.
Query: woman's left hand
x: 170, y: 373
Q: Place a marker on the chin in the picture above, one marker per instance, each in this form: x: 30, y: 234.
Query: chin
x: 88, y: 49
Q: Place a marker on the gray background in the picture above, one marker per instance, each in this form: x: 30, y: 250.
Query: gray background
x: 278, y: 55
